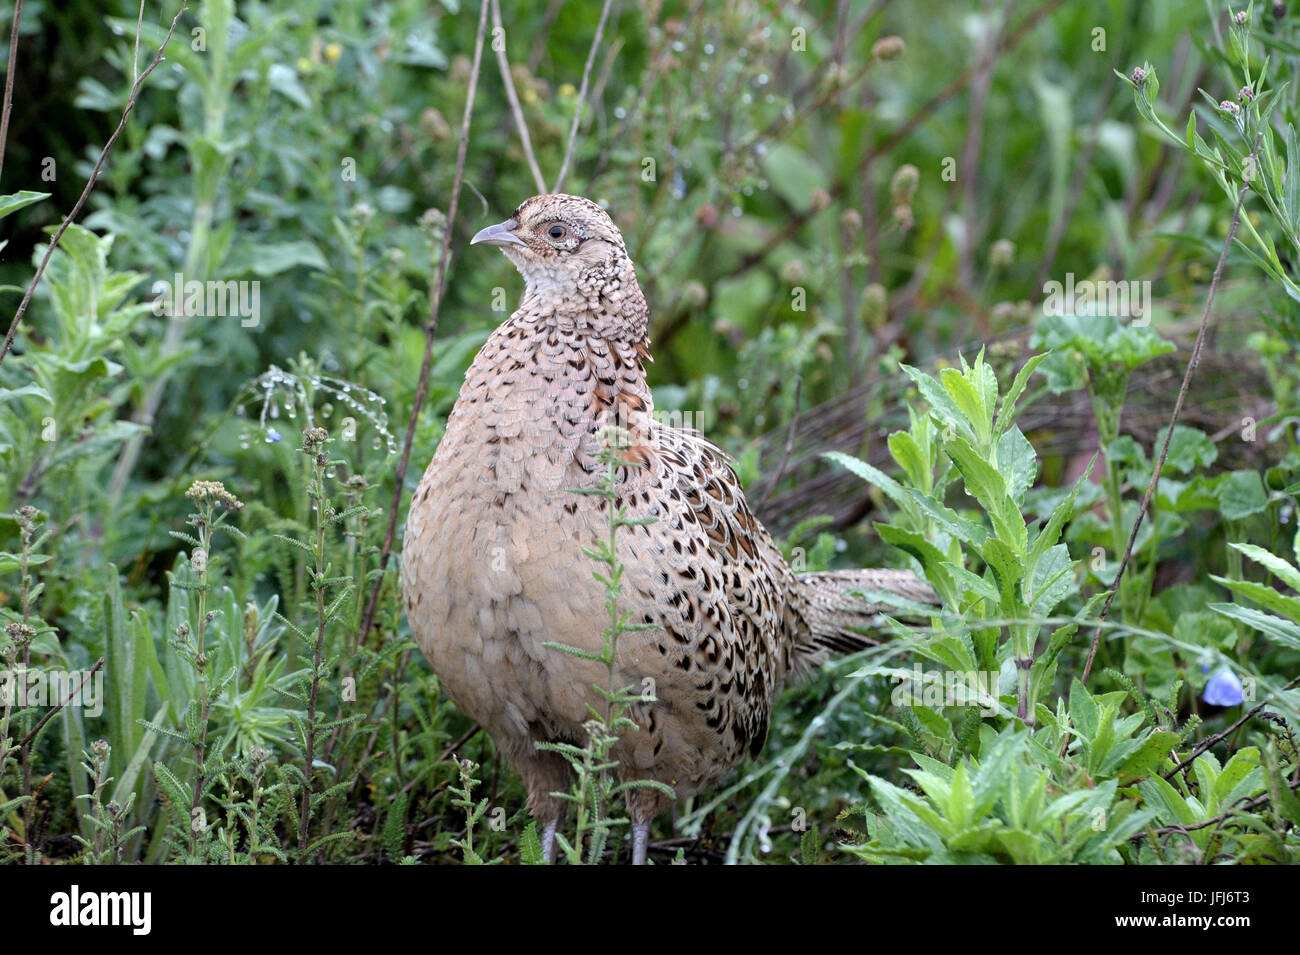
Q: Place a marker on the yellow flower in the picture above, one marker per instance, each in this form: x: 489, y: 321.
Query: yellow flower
x: 304, y: 65
x: 332, y: 52
x: 568, y: 89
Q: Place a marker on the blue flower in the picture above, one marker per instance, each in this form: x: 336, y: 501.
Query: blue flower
x: 272, y: 436
x: 1223, y: 689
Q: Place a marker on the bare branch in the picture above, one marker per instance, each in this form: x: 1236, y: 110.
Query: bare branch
x: 9, y: 81
x: 49, y: 714
x: 503, y: 64
x: 430, y: 327
x: 582, y: 95
x: 1173, y: 419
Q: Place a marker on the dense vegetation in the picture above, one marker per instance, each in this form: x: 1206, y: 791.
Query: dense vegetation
x: 873, y: 230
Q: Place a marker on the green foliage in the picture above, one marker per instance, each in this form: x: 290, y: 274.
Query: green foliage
x: 1049, y: 784
x: 798, y: 237
x: 1007, y: 807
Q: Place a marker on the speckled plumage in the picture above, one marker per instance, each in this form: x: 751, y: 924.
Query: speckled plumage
x: 492, y: 566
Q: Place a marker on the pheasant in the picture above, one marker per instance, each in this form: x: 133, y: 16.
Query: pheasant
x: 493, y: 567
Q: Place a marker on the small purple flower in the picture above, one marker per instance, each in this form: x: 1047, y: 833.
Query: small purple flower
x: 1223, y: 689
x: 272, y: 436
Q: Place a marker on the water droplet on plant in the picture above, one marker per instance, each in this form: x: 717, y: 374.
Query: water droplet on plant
x: 326, y: 410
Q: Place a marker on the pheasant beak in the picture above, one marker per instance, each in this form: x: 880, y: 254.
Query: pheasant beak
x: 503, y: 233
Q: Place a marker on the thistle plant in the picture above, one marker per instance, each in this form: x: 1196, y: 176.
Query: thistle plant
x: 595, y: 788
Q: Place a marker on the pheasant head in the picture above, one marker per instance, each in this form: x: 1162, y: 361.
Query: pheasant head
x: 570, y: 254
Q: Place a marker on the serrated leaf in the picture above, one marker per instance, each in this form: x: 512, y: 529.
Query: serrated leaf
x: 1284, y: 571
x: 1275, y: 628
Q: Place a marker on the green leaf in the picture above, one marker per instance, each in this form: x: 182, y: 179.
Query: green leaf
x: 268, y: 259
x: 1007, y: 568
x: 530, y: 846
x: 1241, y: 494
x: 1244, y: 761
x: 1170, y: 806
x: 1148, y: 757
x: 973, y: 396
x: 1284, y: 571
x: 26, y: 391
x: 905, y: 450
x: 871, y: 475
x: 942, y: 407
x: 1263, y: 595
x: 949, y: 520
x: 19, y: 200
x: 987, y: 485
x: 1189, y: 449
x: 961, y: 800
x: 1052, y: 582
x: 1050, y: 535
x: 284, y: 80
x: 1275, y: 628
x: 1008, y: 411
x: 794, y: 174
x: 1018, y: 461
x: 1083, y: 710
x: 1291, y: 196
x: 933, y: 561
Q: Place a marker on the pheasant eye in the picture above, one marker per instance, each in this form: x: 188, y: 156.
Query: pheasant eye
x: 557, y: 231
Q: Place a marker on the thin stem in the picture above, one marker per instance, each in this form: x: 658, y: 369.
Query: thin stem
x: 9, y: 82
x: 582, y: 95
x: 90, y: 184
x: 1173, y: 419
x: 430, y: 329
x: 318, y: 490
x: 201, y: 664
x: 503, y: 64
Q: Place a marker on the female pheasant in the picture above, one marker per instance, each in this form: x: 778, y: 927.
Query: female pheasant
x: 493, y: 567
